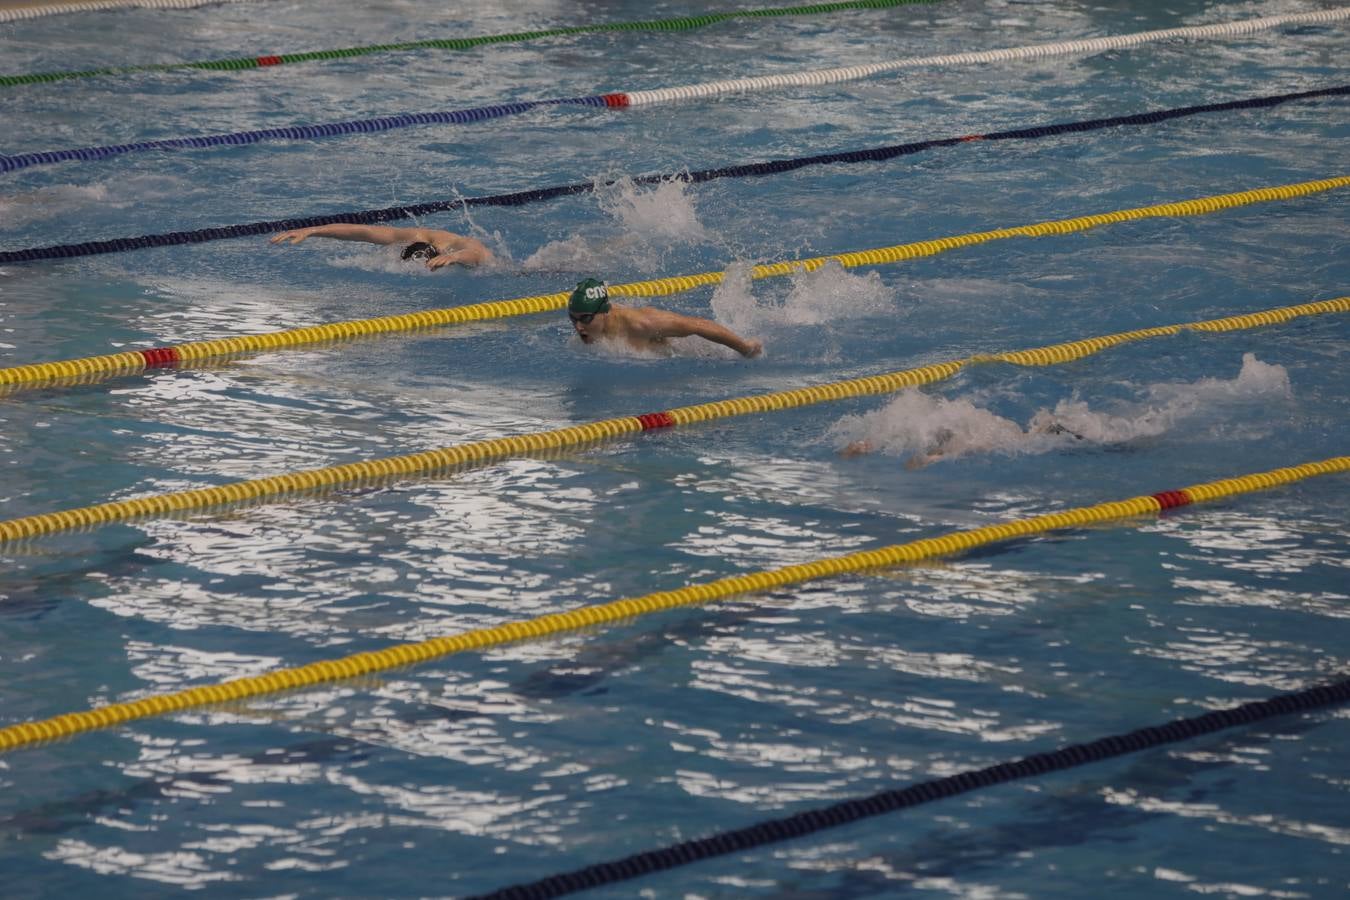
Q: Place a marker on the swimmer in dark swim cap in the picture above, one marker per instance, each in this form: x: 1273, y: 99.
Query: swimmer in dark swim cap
x: 430, y: 246
x: 595, y: 318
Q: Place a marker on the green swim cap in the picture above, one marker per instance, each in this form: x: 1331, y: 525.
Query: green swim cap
x: 591, y: 296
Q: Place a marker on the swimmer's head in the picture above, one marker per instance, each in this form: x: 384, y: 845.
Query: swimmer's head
x: 419, y: 250
x: 589, y: 300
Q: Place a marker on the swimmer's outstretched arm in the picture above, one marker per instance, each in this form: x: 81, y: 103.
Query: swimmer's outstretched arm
x: 371, y: 234
x: 663, y: 324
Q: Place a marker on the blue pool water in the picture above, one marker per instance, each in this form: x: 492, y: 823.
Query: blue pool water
x: 481, y: 770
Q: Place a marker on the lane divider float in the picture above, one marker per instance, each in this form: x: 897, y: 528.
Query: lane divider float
x: 46, y: 8
x: 745, y: 170
x: 620, y: 99
x: 1082, y: 47
x: 366, y: 472
x: 82, y: 370
x: 683, y: 23
x: 810, y: 821
x: 358, y: 664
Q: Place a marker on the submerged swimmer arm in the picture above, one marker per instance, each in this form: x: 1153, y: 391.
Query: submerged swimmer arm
x: 656, y: 324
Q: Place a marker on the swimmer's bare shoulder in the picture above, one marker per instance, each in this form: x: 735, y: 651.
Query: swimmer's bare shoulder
x: 458, y: 249
x: 659, y: 324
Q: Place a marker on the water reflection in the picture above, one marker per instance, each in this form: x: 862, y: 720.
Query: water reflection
x: 1258, y: 543
x: 1213, y: 812
x: 1241, y: 658
x: 187, y: 870
x: 454, y: 772
x: 981, y: 847
x: 1225, y: 593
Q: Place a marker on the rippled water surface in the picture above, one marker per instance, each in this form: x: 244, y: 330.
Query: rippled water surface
x: 483, y: 769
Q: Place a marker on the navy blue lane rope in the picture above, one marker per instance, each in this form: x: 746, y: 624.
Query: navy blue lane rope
x: 295, y: 132
x: 876, y: 154
x: 819, y: 819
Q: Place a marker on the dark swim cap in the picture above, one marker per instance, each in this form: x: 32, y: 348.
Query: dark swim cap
x: 591, y: 296
x: 419, y: 250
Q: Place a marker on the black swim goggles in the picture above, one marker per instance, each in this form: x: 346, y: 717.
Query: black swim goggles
x: 583, y: 318
x: 420, y: 250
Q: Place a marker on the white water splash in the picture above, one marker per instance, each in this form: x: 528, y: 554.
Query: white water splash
x: 664, y: 211
x: 829, y: 294
x: 832, y: 293
x: 927, y: 428
x: 1170, y: 403
x: 70, y: 200
x: 18, y: 210
x: 650, y: 220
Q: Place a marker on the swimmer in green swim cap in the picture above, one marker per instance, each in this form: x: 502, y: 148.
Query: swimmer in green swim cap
x: 595, y: 318
x: 429, y: 246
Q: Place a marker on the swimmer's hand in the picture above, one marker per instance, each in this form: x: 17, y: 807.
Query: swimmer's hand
x: 471, y: 252
x: 857, y: 448
x: 752, y: 349
x: 445, y: 259
x: 918, y: 461
x: 292, y: 237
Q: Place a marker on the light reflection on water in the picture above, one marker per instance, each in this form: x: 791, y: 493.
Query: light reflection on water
x: 1214, y: 813
x: 483, y: 768
x: 1244, y: 658
x: 187, y: 870
x: 1218, y: 592
x: 1242, y: 541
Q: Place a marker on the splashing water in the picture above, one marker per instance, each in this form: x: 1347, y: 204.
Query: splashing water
x: 823, y: 301
x: 832, y: 293
x: 1169, y: 403
x: 829, y: 294
x: 650, y: 221
x: 18, y: 210
x: 733, y: 301
x: 665, y: 212
x: 70, y: 200
x: 929, y: 428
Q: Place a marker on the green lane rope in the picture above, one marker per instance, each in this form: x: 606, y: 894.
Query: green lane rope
x: 684, y: 23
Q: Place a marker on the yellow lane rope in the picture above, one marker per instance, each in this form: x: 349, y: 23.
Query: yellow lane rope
x: 478, y: 452
x: 133, y: 361
x: 358, y: 664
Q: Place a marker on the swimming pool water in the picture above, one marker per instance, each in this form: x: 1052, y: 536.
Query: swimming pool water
x: 482, y: 770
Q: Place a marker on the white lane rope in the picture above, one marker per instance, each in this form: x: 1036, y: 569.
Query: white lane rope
x: 1086, y: 46
x: 54, y: 9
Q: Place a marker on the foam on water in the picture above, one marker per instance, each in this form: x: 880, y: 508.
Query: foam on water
x: 829, y: 294
x: 20, y: 210
x: 518, y: 761
x: 928, y: 428
x: 73, y: 201
x: 808, y: 321
x: 650, y: 220
x: 665, y: 210
x: 1167, y: 404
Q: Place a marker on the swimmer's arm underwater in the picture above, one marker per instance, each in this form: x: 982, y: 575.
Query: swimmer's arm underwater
x: 656, y: 324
